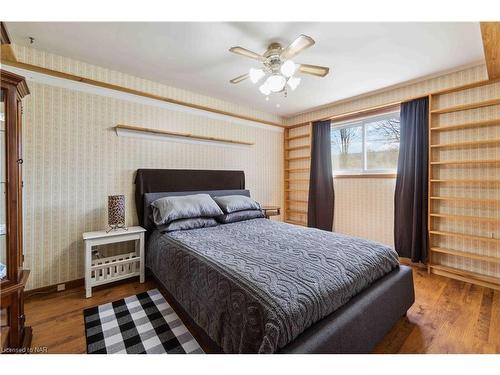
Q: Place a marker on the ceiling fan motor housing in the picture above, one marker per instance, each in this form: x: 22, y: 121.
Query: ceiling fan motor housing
x: 272, y: 60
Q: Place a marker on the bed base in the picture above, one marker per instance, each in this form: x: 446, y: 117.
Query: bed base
x: 360, y: 324
x: 354, y: 328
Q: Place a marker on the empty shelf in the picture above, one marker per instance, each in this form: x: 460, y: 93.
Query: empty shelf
x: 465, y: 236
x: 477, y: 124
x: 464, y: 107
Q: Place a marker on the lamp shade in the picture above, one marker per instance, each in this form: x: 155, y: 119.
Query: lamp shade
x: 116, y: 211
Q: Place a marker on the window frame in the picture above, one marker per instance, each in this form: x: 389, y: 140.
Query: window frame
x: 362, y: 122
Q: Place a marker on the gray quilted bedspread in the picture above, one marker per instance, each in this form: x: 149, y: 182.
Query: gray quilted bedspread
x: 255, y: 285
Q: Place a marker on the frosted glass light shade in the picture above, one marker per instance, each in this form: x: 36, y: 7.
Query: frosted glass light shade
x: 276, y: 82
x: 256, y: 75
x: 288, y: 68
x: 264, y: 89
x: 293, y: 82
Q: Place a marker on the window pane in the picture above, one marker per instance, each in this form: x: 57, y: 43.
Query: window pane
x: 382, y: 143
x: 347, y: 148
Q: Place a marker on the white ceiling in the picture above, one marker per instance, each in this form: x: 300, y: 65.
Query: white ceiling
x: 362, y: 56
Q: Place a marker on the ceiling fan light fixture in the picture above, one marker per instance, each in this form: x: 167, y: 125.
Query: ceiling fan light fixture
x: 288, y: 68
x: 293, y: 82
x: 276, y: 71
x: 256, y: 75
x: 275, y: 82
x: 264, y: 89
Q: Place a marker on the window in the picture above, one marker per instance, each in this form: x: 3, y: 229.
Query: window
x: 370, y: 145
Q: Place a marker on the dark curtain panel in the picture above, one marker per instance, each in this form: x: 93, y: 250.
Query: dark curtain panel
x: 321, y: 195
x: 410, y: 201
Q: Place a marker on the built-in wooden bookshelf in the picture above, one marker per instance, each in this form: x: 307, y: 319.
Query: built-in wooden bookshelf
x: 468, y: 220
x: 297, y: 151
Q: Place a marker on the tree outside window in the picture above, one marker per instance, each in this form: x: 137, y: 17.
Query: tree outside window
x: 370, y: 145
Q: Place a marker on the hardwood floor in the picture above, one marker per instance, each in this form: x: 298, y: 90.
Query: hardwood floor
x: 57, y: 318
x: 448, y: 316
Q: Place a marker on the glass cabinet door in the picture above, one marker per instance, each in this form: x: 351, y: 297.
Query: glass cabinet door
x: 3, y: 187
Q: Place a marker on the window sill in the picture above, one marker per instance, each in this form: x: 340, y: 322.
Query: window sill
x: 366, y: 175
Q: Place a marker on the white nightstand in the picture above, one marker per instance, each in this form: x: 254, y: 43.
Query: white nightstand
x: 100, y: 271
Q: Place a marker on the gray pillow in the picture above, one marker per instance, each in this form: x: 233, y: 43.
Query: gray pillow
x: 240, y: 216
x: 234, y: 203
x: 185, y: 224
x: 168, y: 209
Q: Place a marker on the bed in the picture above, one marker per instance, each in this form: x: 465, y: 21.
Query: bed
x: 261, y: 286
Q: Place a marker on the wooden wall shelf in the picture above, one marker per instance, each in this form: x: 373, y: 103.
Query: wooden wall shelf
x: 464, y: 107
x: 467, y: 255
x: 467, y: 218
x: 302, y: 136
x: 467, y: 200
x: 170, y: 134
x: 467, y: 276
x: 466, y: 182
x: 479, y: 143
x: 298, y: 170
x: 306, y: 147
x: 461, y: 222
x: 478, y: 124
x: 466, y: 162
x: 127, y: 90
x: 296, y: 158
x: 486, y: 82
x: 296, y: 201
x: 465, y: 236
x: 302, y: 152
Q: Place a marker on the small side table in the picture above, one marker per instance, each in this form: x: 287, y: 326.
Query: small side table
x: 100, y: 271
x: 271, y: 211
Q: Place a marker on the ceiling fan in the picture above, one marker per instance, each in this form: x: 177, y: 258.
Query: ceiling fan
x: 278, y: 66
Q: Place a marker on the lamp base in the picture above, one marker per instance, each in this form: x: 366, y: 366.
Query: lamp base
x: 116, y: 227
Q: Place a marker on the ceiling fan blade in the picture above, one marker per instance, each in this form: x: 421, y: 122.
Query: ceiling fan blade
x: 297, y: 46
x: 314, y: 70
x: 239, y: 78
x: 247, y: 53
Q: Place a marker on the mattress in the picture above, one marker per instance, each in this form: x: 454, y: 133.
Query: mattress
x: 255, y: 285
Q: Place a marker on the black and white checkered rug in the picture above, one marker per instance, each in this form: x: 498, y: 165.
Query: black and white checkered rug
x: 144, y: 323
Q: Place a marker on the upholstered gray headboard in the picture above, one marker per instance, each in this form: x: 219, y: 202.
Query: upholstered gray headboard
x: 166, y: 182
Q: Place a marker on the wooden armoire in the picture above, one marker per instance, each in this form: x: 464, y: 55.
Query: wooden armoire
x: 15, y: 336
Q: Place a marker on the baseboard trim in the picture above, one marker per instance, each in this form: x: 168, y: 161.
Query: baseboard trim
x: 408, y: 262
x: 53, y: 288
x: 74, y: 284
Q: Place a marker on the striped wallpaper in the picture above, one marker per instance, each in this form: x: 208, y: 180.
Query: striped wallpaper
x: 74, y: 160
x: 364, y: 207
x: 390, y: 95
